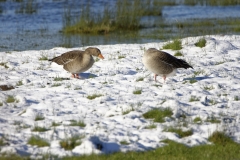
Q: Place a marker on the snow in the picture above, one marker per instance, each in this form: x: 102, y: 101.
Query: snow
x: 217, y: 89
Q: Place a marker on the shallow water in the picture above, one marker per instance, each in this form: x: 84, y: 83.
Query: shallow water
x: 42, y: 30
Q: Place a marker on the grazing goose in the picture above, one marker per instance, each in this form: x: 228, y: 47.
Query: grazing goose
x: 162, y: 63
x: 77, y: 61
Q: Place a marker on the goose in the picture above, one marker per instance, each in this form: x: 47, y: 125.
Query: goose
x: 77, y: 61
x: 162, y: 63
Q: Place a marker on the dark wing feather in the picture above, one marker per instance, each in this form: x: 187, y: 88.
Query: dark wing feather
x: 175, y: 62
x: 66, y: 57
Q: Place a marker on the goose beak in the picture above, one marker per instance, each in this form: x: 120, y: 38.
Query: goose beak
x: 100, y: 56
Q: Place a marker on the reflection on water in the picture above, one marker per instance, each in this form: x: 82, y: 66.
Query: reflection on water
x: 42, y: 29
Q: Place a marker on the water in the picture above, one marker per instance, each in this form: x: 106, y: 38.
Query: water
x: 42, y: 30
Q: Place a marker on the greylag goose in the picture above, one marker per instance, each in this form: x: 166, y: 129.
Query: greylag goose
x: 162, y: 63
x: 77, y: 61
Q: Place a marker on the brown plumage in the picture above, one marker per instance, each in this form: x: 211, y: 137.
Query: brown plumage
x: 162, y: 63
x: 78, y: 61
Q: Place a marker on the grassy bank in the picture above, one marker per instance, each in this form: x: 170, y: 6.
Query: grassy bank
x: 125, y: 15
x: 222, y: 148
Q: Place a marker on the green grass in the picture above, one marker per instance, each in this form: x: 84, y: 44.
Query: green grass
x: 56, y: 85
x: 2, y: 142
x: 213, y: 119
x: 178, y: 53
x: 43, y: 58
x: 158, y: 115
x: 58, y: 79
x: 193, y: 99
x: 39, y: 117
x: 236, y: 98
x: 77, y: 123
x: 121, y: 56
x: 180, y: 132
x: 70, y: 143
x: 54, y: 124
x: 197, y: 120
x: 137, y: 91
x: 151, y: 126
x: 220, y: 62
x: 11, y: 99
x: 127, y: 111
x: 208, y: 88
x: 201, y: 43
x: 37, y: 141
x: 223, y: 148
x: 220, y: 138
x: 192, y: 80
x: 93, y: 96
x: 139, y: 79
x: 1, y: 104
x: 4, y: 64
x: 19, y: 83
x: 124, y: 16
x: 175, y: 45
x: 39, y: 129
x: 124, y: 142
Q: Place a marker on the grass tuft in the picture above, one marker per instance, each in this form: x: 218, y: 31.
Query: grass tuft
x: 151, y: 126
x: 2, y: 142
x: 77, y: 123
x: 19, y: 83
x: 94, y: 96
x: 55, y: 124
x: 39, y: 129
x: 4, y: 64
x: 71, y: 143
x: 174, y: 151
x: 197, y: 120
x: 201, y: 43
x: 180, y: 132
x: 158, y: 115
x: 37, y: 141
x: 56, y: 85
x: 178, y: 53
x: 236, y: 98
x: 213, y: 119
x: 137, y: 91
x: 139, y: 79
x: 220, y: 138
x: 39, y: 117
x: 11, y: 99
x: 127, y: 111
x: 43, y: 58
x: 124, y: 142
x: 175, y: 45
x: 193, y: 98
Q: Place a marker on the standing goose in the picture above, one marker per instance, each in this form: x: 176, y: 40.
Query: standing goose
x: 162, y: 63
x: 77, y: 61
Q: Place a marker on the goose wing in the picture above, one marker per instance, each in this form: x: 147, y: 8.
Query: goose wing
x: 169, y: 59
x: 67, y: 57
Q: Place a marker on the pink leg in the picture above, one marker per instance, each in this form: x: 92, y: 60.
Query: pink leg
x: 75, y: 76
x: 164, y: 78
x: 155, y: 77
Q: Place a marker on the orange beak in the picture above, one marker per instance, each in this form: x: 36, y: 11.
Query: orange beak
x: 100, y: 56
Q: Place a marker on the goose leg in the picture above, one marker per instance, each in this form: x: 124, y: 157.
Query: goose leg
x: 75, y: 76
x: 155, y: 77
x: 164, y: 78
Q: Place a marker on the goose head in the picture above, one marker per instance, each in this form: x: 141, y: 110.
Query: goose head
x: 95, y: 52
